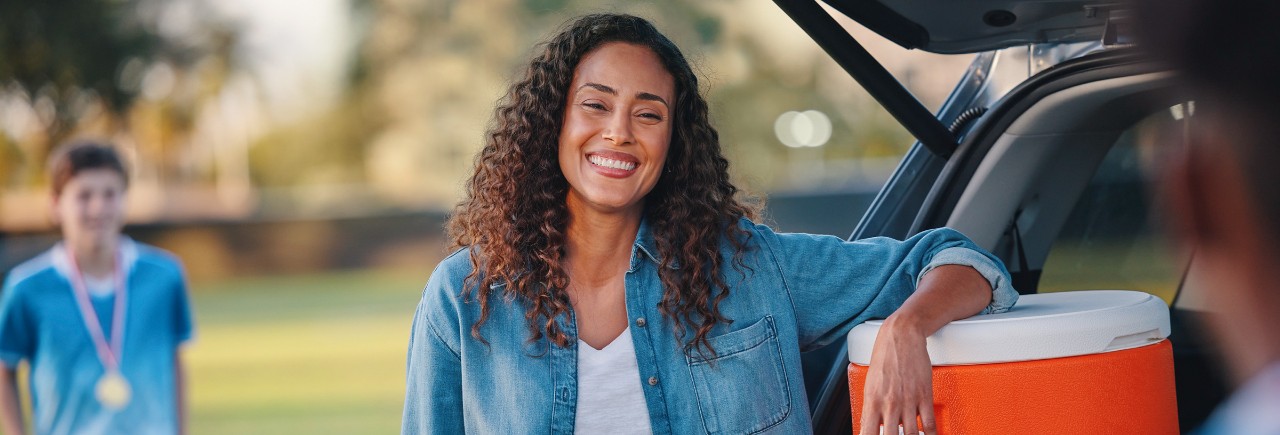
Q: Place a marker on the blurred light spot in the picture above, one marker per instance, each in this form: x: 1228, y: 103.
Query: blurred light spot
x: 17, y: 117
x: 178, y: 18
x: 46, y: 110
x: 821, y: 128
x: 158, y: 81
x: 782, y: 128
x: 810, y: 128
x: 84, y: 104
x: 130, y: 79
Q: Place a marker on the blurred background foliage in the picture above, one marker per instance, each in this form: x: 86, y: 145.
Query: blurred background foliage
x: 237, y: 109
x: 300, y: 156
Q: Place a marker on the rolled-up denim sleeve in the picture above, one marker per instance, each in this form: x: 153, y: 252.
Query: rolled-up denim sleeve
x: 836, y: 284
x: 1003, y: 296
x: 433, y: 387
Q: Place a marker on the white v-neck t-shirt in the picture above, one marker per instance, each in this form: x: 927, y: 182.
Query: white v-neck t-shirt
x: 610, y: 398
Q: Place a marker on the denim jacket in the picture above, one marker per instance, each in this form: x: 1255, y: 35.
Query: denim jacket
x: 798, y: 292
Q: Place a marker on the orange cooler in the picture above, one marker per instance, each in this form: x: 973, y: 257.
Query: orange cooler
x: 1086, y: 362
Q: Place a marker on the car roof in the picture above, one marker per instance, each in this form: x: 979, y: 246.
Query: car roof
x: 970, y: 26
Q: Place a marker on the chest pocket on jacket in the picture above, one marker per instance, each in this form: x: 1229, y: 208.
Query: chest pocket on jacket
x: 743, y: 389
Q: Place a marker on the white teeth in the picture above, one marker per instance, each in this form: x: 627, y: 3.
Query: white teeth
x: 611, y: 163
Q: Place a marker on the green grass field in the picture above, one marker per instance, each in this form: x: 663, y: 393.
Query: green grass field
x: 301, y: 354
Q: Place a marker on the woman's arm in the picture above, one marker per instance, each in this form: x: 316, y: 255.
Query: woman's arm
x: 433, y: 372
x: 917, y: 285
x: 869, y: 278
x: 10, y: 408
x: 433, y: 387
x: 899, y: 383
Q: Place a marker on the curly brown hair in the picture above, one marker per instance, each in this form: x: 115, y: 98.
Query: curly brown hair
x: 514, y: 215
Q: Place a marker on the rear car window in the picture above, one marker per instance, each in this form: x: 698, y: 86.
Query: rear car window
x: 1112, y: 238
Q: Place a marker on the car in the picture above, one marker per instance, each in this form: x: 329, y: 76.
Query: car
x: 1043, y: 154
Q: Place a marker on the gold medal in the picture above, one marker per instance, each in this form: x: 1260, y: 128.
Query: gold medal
x: 113, y: 390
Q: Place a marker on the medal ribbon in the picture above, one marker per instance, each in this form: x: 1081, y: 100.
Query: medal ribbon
x: 109, y: 354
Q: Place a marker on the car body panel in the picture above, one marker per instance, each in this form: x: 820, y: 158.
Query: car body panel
x: 972, y: 26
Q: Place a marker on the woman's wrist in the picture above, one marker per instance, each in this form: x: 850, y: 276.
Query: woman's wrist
x: 906, y: 325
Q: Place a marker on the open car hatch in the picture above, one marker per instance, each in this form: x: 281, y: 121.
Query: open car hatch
x: 970, y: 26
x: 947, y: 27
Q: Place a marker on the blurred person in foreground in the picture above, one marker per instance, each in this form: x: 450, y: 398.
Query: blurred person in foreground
x: 98, y: 319
x: 1222, y: 191
x: 611, y: 280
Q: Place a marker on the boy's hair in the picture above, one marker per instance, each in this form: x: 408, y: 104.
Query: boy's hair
x: 78, y: 157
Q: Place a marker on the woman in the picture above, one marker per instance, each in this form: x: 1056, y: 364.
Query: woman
x: 610, y: 281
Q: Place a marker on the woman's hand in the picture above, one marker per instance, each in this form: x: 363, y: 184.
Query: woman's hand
x: 900, y: 380
x: 899, y: 384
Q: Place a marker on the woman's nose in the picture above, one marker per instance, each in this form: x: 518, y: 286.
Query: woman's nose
x: 618, y: 129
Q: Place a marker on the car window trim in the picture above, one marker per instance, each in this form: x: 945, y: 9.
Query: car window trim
x: 955, y: 176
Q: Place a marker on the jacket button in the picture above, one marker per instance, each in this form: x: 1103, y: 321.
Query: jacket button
x: 653, y: 380
x: 640, y: 322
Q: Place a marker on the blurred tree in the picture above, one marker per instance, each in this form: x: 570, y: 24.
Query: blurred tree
x: 60, y: 49
x: 134, y: 71
x: 192, y: 90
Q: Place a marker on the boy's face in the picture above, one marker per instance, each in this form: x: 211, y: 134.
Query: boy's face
x: 91, y: 207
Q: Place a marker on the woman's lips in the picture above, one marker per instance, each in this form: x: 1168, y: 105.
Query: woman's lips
x: 613, y: 164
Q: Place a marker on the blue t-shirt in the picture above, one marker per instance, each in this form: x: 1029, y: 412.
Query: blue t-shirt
x: 41, y: 324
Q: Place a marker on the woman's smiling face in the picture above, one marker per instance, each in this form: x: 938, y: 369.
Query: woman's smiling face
x: 616, y: 128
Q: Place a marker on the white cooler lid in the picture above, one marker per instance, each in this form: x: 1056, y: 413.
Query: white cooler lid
x: 1040, y: 326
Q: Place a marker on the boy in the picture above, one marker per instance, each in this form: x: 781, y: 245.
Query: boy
x: 98, y: 318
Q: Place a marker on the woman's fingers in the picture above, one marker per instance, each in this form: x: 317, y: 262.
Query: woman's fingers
x: 930, y: 426
x: 891, y: 421
x: 880, y: 411
x: 870, y: 424
x: 899, y: 385
x: 909, y: 422
x: 894, y: 411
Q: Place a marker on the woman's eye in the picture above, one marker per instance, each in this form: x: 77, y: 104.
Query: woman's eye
x: 651, y: 116
x: 593, y: 105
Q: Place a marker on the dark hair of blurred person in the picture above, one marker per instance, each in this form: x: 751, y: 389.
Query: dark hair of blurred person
x: 1222, y: 192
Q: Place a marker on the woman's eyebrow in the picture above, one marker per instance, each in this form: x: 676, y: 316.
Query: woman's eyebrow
x: 599, y: 87
x: 652, y: 97
x: 611, y: 91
